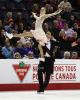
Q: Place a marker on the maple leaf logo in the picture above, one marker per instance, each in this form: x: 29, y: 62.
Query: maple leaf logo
x: 21, y: 70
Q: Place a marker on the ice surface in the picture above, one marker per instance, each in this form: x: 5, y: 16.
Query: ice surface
x: 48, y: 95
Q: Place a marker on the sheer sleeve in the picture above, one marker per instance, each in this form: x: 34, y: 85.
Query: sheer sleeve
x: 55, y: 13
x: 34, y: 14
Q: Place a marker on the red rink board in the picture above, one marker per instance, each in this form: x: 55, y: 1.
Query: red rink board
x: 57, y: 86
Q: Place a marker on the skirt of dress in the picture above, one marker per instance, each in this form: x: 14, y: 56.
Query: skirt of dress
x: 40, y: 36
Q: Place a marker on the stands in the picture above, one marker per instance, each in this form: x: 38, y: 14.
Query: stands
x: 16, y: 18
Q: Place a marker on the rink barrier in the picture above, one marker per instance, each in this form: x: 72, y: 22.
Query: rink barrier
x: 21, y: 74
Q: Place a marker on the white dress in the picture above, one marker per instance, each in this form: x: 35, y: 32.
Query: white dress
x: 39, y: 33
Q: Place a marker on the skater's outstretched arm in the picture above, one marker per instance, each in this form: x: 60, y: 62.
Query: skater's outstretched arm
x: 53, y: 14
x: 34, y: 14
x: 27, y: 34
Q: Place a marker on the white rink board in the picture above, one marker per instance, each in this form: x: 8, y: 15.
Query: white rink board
x: 65, y: 71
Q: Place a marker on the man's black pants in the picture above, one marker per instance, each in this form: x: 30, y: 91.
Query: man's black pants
x: 47, y: 68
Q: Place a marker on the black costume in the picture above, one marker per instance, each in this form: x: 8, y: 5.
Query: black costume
x: 46, y: 66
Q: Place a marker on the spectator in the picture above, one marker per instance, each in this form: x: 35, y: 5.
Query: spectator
x: 55, y: 30
x: 2, y: 38
x: 53, y: 3
x: 74, y: 37
x: 7, y: 50
x: 66, y: 14
x: 10, y: 5
x: 63, y: 27
x: 45, y: 27
x: 17, y: 1
x: 65, y: 43
x: 62, y: 35
x: 1, y: 56
x: 30, y: 55
x: 74, y: 55
x: 1, y: 24
x: 19, y: 23
x: 60, y: 22
x: 49, y: 8
x: 10, y: 26
x: 17, y: 55
x: 20, y: 27
x: 72, y: 21
x: 68, y: 31
x: 66, y: 55
x: 76, y: 46
x: 77, y: 29
x: 23, y: 49
x: 65, y: 5
x: 35, y: 7
x: 8, y: 16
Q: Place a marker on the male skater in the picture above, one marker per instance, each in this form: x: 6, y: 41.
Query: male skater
x: 46, y: 64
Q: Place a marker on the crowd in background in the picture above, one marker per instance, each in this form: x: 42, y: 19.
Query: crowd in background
x: 16, y: 18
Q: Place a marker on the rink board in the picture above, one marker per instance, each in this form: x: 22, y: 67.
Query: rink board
x: 21, y: 74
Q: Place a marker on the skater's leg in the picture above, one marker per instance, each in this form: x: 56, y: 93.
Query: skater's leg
x: 47, y: 79
x: 40, y: 76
